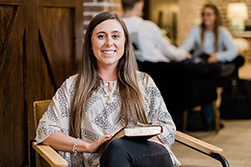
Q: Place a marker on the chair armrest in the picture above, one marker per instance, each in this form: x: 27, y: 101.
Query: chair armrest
x: 197, y: 144
x: 50, y: 155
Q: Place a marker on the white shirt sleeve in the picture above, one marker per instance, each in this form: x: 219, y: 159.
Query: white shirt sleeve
x: 154, y: 44
x: 56, y: 118
x: 227, y: 41
x: 190, y: 40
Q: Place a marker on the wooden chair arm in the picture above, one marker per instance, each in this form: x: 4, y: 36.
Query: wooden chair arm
x: 197, y: 144
x: 50, y: 155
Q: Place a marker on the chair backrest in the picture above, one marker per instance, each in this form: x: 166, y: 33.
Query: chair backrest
x: 49, y: 158
x: 39, y: 107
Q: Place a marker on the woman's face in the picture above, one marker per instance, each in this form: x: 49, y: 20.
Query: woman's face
x: 209, y: 18
x: 108, y: 42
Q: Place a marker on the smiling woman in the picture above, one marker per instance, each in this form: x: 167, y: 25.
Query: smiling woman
x: 108, y: 40
x: 107, y: 94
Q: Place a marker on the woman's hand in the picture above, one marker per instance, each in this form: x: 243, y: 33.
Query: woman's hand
x: 189, y: 56
x: 95, y: 146
x: 212, y: 58
x: 155, y: 138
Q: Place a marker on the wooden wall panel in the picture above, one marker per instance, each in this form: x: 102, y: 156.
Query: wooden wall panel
x: 47, y: 78
x: 6, y: 13
x: 12, y: 115
x: 40, y: 42
x: 56, y: 26
x: 59, y: 30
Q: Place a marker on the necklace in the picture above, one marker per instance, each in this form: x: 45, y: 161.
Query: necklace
x: 109, y: 88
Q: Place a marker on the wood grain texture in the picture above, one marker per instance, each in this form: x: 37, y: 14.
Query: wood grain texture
x: 12, y: 112
x: 196, y: 143
x: 39, y: 43
x: 50, y: 155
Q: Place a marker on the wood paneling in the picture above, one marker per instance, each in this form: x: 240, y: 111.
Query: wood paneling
x: 12, y: 120
x: 40, y: 44
x: 56, y: 27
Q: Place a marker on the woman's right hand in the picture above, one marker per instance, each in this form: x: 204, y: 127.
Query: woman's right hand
x: 189, y: 56
x: 96, y: 145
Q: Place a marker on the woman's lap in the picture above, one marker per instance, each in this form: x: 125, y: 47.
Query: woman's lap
x: 132, y: 153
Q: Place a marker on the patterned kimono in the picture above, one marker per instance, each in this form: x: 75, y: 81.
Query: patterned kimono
x: 101, y: 116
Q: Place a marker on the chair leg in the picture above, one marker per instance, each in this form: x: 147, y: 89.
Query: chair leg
x: 220, y: 158
x: 217, y: 121
x: 32, y: 155
x: 217, y: 111
x: 185, y: 117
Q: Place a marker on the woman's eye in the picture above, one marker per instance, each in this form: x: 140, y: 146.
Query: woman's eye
x: 101, y: 36
x: 115, y: 36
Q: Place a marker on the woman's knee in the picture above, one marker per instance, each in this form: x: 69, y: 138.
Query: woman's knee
x: 119, y: 148
x: 116, y: 144
x: 115, y: 155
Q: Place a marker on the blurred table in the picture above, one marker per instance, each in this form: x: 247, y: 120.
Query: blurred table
x: 243, y: 34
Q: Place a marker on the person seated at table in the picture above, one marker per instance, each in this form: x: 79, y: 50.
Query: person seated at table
x: 107, y: 94
x: 212, y: 43
x: 153, y: 45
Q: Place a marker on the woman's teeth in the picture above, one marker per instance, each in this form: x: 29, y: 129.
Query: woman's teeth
x: 108, y: 52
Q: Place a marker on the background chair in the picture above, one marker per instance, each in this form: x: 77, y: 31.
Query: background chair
x: 216, y: 103
x: 49, y: 157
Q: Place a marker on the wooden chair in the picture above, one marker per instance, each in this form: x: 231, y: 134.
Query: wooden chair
x: 47, y: 155
x: 198, y: 109
x: 52, y: 158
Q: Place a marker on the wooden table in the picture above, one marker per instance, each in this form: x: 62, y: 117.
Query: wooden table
x: 243, y: 34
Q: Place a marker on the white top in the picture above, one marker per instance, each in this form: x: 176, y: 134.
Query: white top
x: 101, y: 117
x: 227, y: 50
x: 154, y: 46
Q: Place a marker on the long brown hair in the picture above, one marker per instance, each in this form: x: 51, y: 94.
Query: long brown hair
x: 217, y: 24
x: 132, y: 105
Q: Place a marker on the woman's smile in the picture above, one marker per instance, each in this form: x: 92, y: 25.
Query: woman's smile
x: 108, y: 52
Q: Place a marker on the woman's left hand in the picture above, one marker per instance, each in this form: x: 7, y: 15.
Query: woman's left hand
x: 212, y: 58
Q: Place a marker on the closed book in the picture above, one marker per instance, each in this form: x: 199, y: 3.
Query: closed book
x: 138, y: 132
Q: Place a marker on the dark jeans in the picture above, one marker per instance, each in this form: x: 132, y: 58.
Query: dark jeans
x: 131, y: 153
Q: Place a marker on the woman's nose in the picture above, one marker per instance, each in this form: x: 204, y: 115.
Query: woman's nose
x: 109, y: 41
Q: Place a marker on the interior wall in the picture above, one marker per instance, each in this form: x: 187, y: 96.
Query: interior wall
x: 164, y: 14
x: 222, y: 6
x: 40, y: 43
x: 189, y: 14
x: 93, y: 7
x: 166, y: 7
